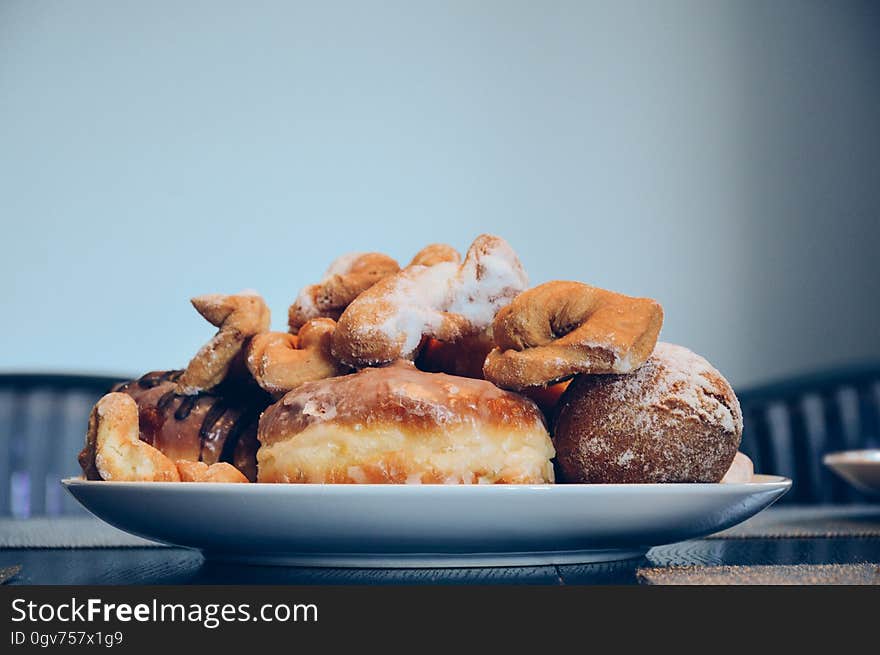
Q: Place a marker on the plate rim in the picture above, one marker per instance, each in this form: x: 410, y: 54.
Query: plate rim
x: 765, y: 490
x: 759, y: 481
x: 857, y: 456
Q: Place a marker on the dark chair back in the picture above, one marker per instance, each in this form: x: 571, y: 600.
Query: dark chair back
x: 43, y: 421
x: 790, y: 425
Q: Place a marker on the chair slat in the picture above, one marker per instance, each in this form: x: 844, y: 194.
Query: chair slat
x: 7, y: 412
x: 781, y: 447
x: 839, y: 435
x: 750, y: 441
x: 869, y: 414
x: 37, y: 437
x: 75, y: 410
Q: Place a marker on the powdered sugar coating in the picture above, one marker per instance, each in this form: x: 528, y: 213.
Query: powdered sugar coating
x: 341, y: 265
x: 418, y: 294
x: 345, y: 278
x: 675, y: 419
x: 685, y: 384
x: 444, y: 301
x: 305, y: 302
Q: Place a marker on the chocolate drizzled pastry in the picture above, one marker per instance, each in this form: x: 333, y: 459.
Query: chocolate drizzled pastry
x: 213, y: 426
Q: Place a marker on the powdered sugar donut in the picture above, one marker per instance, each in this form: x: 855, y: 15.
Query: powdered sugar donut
x: 675, y: 419
x: 445, y: 301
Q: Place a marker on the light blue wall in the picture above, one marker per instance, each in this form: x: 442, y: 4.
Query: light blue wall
x: 721, y: 157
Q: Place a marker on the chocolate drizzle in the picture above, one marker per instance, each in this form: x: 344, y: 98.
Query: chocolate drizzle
x: 166, y: 399
x: 238, y: 428
x: 211, y: 417
x: 209, y: 426
x: 185, y: 408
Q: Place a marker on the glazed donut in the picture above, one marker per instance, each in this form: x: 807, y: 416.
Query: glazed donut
x: 238, y: 317
x: 558, y: 329
x: 675, y: 419
x: 201, y: 472
x: 113, y: 450
x: 213, y: 426
x: 436, y: 253
x: 280, y: 361
x: 445, y: 301
x: 347, y: 277
x: 397, y: 424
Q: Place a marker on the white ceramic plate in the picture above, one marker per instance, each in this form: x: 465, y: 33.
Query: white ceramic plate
x: 861, y: 468
x: 423, y: 525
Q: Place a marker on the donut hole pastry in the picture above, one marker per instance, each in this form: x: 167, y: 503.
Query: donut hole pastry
x: 675, y: 419
x: 345, y: 279
x: 445, y: 301
x: 558, y: 329
x: 397, y: 424
x: 279, y: 361
x: 212, y: 426
x: 238, y: 317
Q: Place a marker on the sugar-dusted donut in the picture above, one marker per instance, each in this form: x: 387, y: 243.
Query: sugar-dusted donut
x: 675, y: 419
x: 558, y: 329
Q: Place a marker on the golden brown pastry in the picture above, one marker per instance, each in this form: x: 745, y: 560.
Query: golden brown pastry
x: 436, y: 253
x: 279, y: 361
x: 201, y: 472
x: 347, y: 277
x: 558, y: 329
x: 238, y: 317
x: 675, y: 419
x: 113, y: 450
x: 445, y: 301
x: 400, y: 425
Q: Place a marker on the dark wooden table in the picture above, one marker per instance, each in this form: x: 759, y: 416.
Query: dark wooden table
x: 84, y: 550
x: 116, y: 566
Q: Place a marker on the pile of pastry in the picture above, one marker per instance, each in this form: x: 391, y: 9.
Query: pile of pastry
x: 448, y: 370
